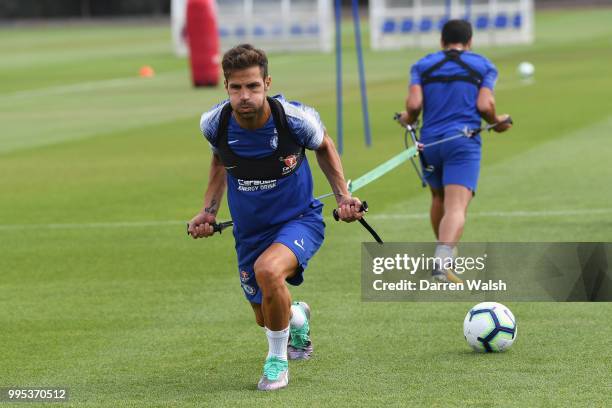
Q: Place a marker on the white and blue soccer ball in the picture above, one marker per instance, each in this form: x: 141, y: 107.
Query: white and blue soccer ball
x: 489, y: 327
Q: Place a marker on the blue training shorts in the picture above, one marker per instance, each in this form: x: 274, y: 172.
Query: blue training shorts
x: 454, y: 162
x: 303, y: 236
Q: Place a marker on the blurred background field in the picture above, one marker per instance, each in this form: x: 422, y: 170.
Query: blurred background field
x: 101, y: 291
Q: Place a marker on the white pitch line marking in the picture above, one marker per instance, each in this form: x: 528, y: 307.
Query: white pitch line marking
x: 144, y: 224
x: 507, y: 214
x: 82, y: 87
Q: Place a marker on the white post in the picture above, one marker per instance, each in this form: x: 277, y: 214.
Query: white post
x: 324, y: 22
x: 248, y: 20
x: 375, y: 20
x: 491, y: 32
x: 418, y: 16
x: 179, y: 21
x: 286, y: 13
x: 526, y: 9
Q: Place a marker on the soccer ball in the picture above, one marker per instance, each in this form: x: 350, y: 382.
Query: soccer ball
x: 526, y: 70
x: 489, y: 327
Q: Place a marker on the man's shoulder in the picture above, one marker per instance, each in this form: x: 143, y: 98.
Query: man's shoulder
x: 295, y: 110
x: 437, y: 56
x: 209, y: 122
x: 299, y: 114
x: 428, y: 60
x: 432, y: 57
x: 475, y: 58
x: 304, y: 121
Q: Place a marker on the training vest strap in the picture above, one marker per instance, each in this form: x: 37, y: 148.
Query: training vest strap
x: 473, y: 76
x: 284, y: 161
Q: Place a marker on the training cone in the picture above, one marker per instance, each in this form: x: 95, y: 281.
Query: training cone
x: 146, y: 72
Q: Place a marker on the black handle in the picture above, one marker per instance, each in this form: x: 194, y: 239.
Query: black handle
x: 488, y: 128
x: 363, y: 208
x: 508, y: 120
x: 217, y: 227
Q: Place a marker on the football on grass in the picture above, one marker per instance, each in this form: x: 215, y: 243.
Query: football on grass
x: 526, y: 70
x: 489, y: 327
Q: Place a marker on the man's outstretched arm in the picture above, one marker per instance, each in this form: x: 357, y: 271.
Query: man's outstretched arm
x: 414, y: 105
x: 329, y: 161
x: 486, y: 107
x: 201, y: 225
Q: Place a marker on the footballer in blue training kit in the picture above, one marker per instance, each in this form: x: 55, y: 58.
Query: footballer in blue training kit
x: 258, y: 144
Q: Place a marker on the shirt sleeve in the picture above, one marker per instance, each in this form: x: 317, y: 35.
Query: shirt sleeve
x: 415, y: 75
x: 490, y: 76
x: 209, y: 123
x: 305, y: 124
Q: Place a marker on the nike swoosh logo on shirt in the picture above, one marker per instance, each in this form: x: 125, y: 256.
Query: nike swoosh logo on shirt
x: 232, y: 141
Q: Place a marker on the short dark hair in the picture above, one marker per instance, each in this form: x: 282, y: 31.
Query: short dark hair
x: 456, y: 32
x: 244, y: 56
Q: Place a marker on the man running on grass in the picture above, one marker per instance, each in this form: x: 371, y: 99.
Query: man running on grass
x: 454, y: 88
x: 258, y: 144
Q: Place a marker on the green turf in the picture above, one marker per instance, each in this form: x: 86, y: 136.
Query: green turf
x: 102, y: 292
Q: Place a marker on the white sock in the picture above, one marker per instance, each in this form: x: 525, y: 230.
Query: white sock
x: 298, y: 317
x: 443, y: 254
x: 277, y: 343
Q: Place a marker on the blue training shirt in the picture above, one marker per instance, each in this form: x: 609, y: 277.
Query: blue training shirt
x: 450, y: 107
x: 257, y: 206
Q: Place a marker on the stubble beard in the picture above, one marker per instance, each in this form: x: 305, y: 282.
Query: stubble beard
x: 250, y: 115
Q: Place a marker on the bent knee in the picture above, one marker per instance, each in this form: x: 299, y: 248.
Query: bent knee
x: 457, y: 209
x: 266, y: 273
x: 457, y: 215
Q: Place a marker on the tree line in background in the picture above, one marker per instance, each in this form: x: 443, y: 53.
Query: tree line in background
x: 23, y: 9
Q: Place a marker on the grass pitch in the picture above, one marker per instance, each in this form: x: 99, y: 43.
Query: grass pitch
x: 102, y: 292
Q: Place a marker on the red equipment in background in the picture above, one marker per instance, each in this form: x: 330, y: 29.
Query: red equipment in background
x: 203, y: 38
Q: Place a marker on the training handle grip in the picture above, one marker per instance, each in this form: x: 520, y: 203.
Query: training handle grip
x: 216, y: 228
x: 508, y: 120
x: 363, y: 208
